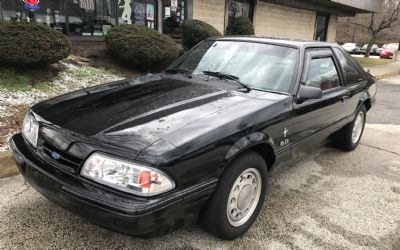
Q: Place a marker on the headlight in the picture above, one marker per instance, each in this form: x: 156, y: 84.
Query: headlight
x: 125, y: 176
x: 30, y: 129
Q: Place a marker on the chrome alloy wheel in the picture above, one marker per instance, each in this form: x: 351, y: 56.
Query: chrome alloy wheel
x: 244, y: 197
x: 357, y: 127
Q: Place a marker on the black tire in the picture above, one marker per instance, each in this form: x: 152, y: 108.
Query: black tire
x: 343, y: 139
x: 214, y: 218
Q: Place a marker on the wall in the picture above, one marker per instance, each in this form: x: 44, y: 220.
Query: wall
x: 88, y: 48
x: 282, y: 21
x: 210, y: 11
x: 333, y: 23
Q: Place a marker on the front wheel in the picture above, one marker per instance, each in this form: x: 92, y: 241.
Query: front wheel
x: 350, y: 135
x: 238, y: 198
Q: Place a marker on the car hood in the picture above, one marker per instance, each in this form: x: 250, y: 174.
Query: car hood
x: 136, y: 113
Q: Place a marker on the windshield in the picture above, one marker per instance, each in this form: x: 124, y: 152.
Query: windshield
x: 257, y: 65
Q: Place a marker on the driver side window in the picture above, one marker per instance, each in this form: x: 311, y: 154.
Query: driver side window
x: 323, y: 74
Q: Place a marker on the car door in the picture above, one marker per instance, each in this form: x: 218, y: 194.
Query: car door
x: 314, y: 118
x: 353, y: 79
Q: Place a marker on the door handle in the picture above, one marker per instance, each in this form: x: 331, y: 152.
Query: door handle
x: 345, y: 98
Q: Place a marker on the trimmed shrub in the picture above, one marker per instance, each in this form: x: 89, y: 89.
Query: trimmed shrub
x: 31, y: 45
x: 195, y: 31
x: 240, y: 26
x: 141, y: 47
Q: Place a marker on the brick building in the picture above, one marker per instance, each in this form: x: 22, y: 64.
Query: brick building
x: 307, y: 19
x: 91, y: 19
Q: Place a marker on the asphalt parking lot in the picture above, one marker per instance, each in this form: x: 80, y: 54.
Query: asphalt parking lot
x: 331, y: 200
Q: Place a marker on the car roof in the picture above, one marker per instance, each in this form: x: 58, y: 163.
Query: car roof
x: 276, y: 40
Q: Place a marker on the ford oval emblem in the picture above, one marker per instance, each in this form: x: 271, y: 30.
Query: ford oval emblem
x: 55, y: 155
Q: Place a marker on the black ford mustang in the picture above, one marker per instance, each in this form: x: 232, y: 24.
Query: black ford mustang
x: 148, y: 155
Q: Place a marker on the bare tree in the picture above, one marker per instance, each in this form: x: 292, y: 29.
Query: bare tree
x: 387, y: 16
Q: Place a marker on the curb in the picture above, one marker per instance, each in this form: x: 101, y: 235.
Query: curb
x: 7, y: 165
x: 379, y: 77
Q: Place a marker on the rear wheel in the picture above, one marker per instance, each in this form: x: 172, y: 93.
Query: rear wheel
x: 349, y: 136
x: 238, y: 198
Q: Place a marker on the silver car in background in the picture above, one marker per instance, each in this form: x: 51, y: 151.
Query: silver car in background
x: 374, y: 50
x: 350, y: 47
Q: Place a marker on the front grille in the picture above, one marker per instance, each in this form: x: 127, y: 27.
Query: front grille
x: 65, y: 161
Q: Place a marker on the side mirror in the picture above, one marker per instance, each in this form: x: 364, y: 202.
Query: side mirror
x: 308, y: 92
x: 367, y: 70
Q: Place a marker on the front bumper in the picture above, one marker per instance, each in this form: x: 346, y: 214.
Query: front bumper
x: 143, y: 217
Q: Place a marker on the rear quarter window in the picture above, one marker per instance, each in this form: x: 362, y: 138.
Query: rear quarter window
x: 350, y: 71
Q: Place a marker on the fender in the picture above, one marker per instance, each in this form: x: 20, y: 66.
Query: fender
x: 366, y: 98
x: 247, y: 142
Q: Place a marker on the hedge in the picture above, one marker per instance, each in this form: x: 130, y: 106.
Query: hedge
x: 31, y: 45
x: 195, y: 31
x: 141, y: 47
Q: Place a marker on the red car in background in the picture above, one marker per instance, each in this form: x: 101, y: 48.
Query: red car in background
x: 388, y: 51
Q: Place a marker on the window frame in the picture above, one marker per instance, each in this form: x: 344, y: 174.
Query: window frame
x: 317, y: 53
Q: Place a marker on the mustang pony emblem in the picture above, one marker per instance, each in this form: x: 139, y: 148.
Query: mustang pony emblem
x: 285, y: 141
x: 285, y: 132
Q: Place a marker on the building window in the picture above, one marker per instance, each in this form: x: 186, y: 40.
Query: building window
x: 174, y: 13
x: 85, y: 17
x: 237, y: 8
x: 139, y: 12
x: 321, y: 27
x: 50, y: 12
x: 90, y: 17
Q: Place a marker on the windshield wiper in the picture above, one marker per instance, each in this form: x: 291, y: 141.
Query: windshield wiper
x: 179, y: 71
x: 228, y: 77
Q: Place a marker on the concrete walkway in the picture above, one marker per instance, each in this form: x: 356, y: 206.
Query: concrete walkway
x: 382, y: 71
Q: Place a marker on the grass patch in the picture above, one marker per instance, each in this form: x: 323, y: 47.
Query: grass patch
x: 83, y: 72
x: 86, y: 72
x: 369, y: 62
x: 14, y: 79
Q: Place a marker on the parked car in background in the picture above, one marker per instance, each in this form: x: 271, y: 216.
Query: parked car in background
x: 145, y: 156
x: 389, y: 50
x: 372, y: 51
x: 350, y: 47
x: 379, y: 50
